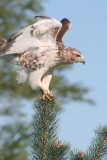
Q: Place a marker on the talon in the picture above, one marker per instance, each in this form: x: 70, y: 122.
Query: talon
x: 47, y: 95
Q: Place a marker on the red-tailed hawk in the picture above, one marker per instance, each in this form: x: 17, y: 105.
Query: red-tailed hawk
x: 38, y: 49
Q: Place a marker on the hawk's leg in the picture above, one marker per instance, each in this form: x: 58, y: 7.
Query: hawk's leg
x: 47, y: 95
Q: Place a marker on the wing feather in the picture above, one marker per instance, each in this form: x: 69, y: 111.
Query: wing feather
x: 65, y: 26
x: 43, y: 33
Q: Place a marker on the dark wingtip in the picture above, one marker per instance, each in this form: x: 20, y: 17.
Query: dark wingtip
x: 65, y: 20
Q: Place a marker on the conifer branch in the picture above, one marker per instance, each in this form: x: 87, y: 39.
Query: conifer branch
x: 45, y: 132
x: 45, y: 125
x: 57, y: 150
x: 97, y: 150
x: 102, y: 145
x: 101, y: 149
x: 76, y: 155
x: 56, y: 157
x: 98, y: 147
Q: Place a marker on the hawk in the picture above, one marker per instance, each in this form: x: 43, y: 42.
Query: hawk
x: 38, y: 49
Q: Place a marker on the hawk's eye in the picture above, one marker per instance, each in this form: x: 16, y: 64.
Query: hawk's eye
x: 78, y: 55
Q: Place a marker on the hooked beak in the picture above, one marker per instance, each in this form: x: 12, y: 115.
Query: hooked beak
x: 83, y: 60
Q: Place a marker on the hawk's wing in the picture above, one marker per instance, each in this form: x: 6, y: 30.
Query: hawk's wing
x: 43, y: 33
x: 65, y: 26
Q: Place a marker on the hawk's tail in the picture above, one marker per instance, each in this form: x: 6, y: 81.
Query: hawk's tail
x: 2, y: 41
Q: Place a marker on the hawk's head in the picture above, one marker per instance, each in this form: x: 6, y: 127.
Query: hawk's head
x: 71, y: 55
x: 76, y: 56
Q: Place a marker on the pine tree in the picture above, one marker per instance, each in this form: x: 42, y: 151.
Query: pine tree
x: 46, y: 145
x: 98, y: 148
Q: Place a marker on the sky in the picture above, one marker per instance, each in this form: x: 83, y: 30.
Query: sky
x: 88, y: 34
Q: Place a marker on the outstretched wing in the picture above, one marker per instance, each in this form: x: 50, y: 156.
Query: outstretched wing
x: 65, y: 26
x: 43, y: 33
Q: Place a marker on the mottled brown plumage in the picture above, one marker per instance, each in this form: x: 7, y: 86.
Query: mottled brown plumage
x: 38, y: 49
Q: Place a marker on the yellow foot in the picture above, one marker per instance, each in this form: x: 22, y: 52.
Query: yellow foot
x: 47, y: 96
